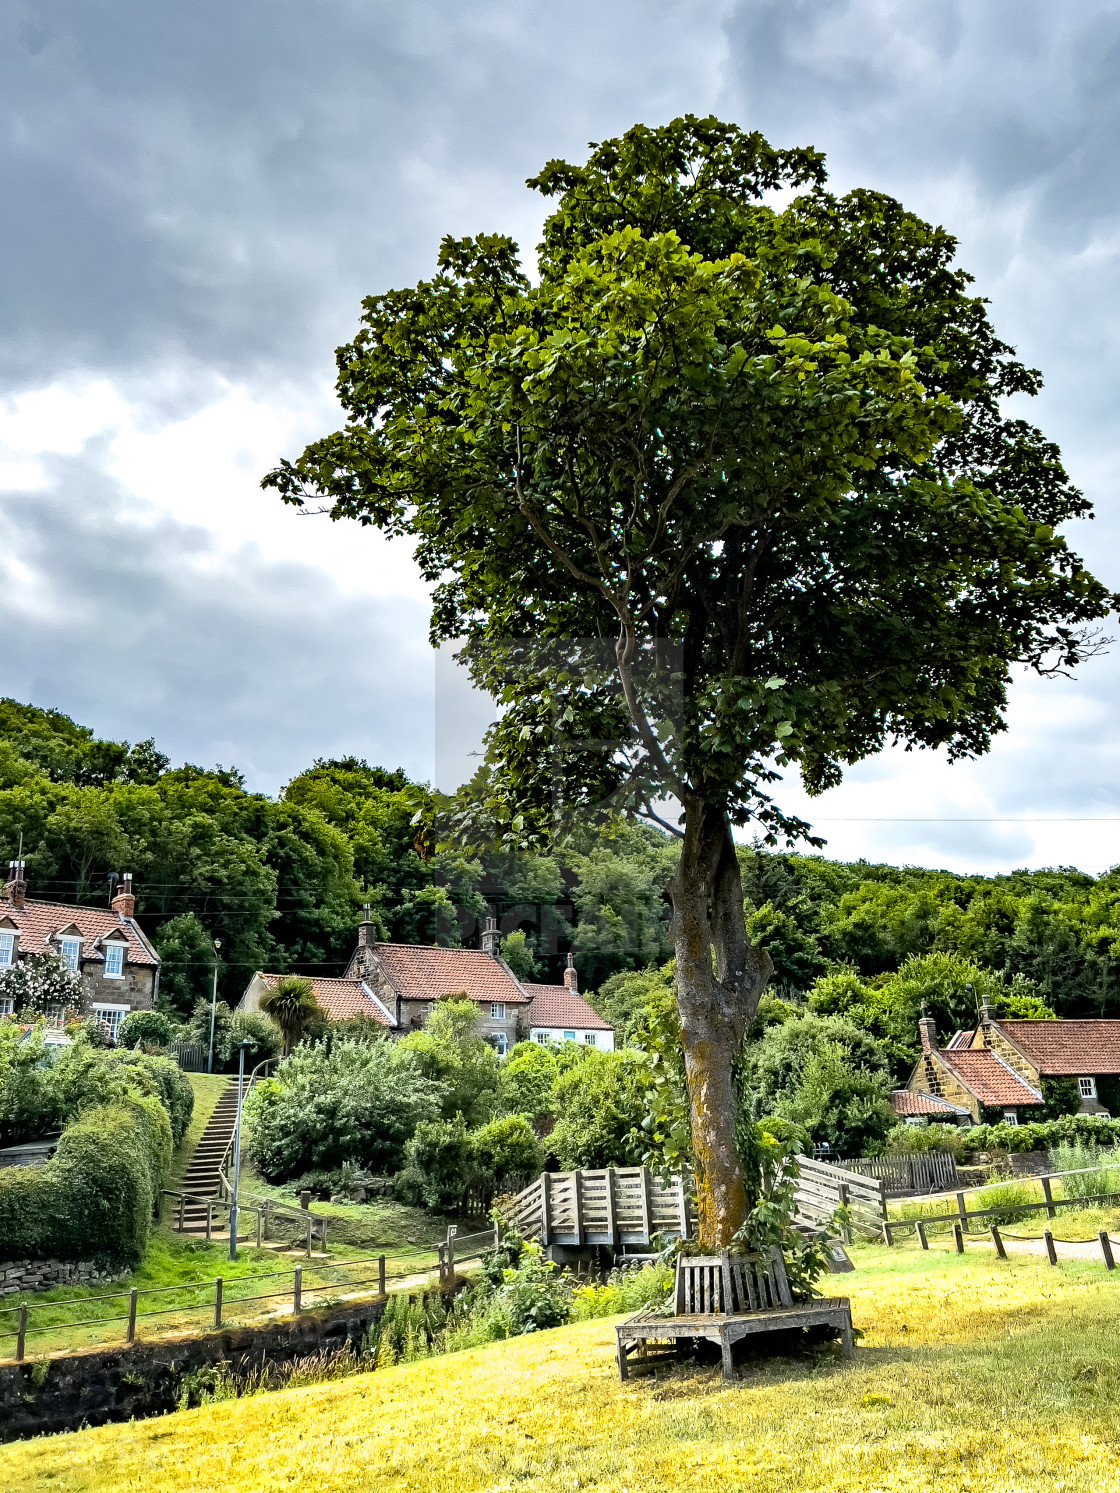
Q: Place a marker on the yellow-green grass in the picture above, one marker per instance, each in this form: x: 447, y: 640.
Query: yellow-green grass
x: 971, y: 1376
x: 208, y: 1089
x: 1075, y: 1221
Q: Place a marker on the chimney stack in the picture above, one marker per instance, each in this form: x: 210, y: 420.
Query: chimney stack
x: 491, y: 938
x: 366, y: 928
x: 124, y: 902
x: 927, y: 1031
x: 571, y: 979
x: 15, y: 888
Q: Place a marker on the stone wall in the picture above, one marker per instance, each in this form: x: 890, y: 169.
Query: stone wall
x: 120, y: 1384
x: 40, y: 1275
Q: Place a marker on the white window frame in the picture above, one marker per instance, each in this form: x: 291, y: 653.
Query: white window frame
x: 1087, y: 1088
x: 55, y: 1017
x: 7, y: 948
x: 543, y: 1036
x: 1011, y: 1117
x: 500, y: 1044
x: 71, y: 960
x: 497, y: 1010
x: 7, y: 1005
x: 589, y: 1039
x: 104, y: 1012
x: 569, y: 1036
x: 114, y: 944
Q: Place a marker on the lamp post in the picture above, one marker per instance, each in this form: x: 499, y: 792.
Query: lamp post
x: 241, y: 1046
x: 213, y: 1006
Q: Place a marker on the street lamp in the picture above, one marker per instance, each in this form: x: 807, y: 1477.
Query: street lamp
x: 241, y: 1046
x: 213, y: 1006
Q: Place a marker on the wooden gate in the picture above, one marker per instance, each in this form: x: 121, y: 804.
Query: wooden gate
x: 619, y: 1205
x: 822, y: 1188
x: 934, y: 1171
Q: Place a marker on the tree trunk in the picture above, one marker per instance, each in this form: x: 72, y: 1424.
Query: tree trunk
x: 717, y: 1001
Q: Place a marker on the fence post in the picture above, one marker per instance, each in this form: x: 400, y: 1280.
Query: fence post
x: 309, y: 1236
x: 646, y: 1208
x: 1051, y: 1211
x: 258, y: 1228
x: 21, y: 1333
x: 962, y: 1211
x: 1051, y: 1252
x: 209, y: 1218
x: 998, y: 1242
x: 546, y: 1209
x: 130, y: 1334
x: 297, y: 1292
x: 453, y: 1229
x: 1106, y: 1250
x: 842, y: 1196
x: 920, y: 1230
x: 381, y: 1275
x: 218, y: 1301
x: 182, y: 1201
x: 958, y: 1238
x: 441, y: 1251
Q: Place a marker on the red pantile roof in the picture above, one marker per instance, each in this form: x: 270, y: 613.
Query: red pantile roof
x: 340, y: 999
x: 1072, y: 1049
x: 990, y: 1079
x: 557, y: 1006
x: 418, y: 972
x: 37, y: 921
x: 904, y: 1103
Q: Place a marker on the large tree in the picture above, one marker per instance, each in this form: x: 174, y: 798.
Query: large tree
x: 757, y: 443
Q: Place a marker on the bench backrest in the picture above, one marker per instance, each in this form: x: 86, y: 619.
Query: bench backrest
x: 724, y: 1284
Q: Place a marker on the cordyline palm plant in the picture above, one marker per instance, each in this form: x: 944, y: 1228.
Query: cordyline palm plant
x: 291, y: 1003
x: 729, y: 489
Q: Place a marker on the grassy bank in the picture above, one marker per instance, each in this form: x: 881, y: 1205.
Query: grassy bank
x: 971, y: 1375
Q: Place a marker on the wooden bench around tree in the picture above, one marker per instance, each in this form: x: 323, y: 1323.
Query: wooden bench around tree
x: 724, y: 1298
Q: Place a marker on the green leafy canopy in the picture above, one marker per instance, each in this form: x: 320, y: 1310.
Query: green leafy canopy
x: 760, y: 450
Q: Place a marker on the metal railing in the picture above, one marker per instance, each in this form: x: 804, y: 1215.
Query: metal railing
x: 268, y: 1214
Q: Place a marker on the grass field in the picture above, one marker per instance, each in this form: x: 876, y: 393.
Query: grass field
x: 972, y: 1376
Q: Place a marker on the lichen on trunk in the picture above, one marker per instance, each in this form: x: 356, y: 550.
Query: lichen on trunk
x: 719, y: 978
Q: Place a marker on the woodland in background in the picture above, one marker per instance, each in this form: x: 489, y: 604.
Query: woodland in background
x: 282, y: 882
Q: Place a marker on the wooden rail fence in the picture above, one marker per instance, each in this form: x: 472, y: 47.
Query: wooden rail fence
x: 935, y: 1171
x: 823, y: 1188
x: 616, y: 1206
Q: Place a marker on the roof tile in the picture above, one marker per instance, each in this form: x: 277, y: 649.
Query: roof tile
x: 37, y: 921
x: 1074, y: 1049
x: 421, y: 972
x: 904, y: 1102
x: 557, y: 1006
x: 990, y: 1080
x: 340, y: 999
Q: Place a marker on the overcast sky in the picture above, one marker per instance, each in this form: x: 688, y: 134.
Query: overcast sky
x: 196, y: 197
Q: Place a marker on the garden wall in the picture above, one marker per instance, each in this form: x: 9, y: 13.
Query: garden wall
x: 119, y: 1384
x: 40, y: 1275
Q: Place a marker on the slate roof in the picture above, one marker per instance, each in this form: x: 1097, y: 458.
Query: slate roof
x: 37, y: 921
x: 420, y: 972
x: 989, y: 1078
x: 557, y: 1006
x: 1070, y: 1049
x: 340, y: 999
x: 904, y: 1103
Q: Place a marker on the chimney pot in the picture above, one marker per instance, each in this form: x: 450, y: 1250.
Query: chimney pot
x: 366, y: 928
x: 491, y: 938
x: 571, y: 978
x: 16, y: 887
x: 927, y: 1031
x: 124, y: 902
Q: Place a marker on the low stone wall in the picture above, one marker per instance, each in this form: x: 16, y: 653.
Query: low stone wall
x: 120, y: 1384
x: 40, y: 1275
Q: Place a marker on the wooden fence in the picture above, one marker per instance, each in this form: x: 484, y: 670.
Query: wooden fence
x: 191, y: 1056
x: 619, y: 1205
x: 823, y: 1188
x: 935, y: 1171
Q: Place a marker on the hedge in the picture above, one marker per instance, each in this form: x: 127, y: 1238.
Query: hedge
x: 95, y: 1198
x: 162, y: 1077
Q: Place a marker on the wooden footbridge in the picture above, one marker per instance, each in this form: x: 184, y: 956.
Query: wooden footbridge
x: 619, y: 1205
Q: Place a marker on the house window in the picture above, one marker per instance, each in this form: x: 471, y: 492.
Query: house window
x: 1087, y: 1087
x: 589, y: 1039
x: 71, y: 951
x: 112, y: 1016
x: 55, y: 1016
x: 114, y: 961
x: 542, y: 1036
x: 1011, y: 1117
x: 500, y: 1043
x: 7, y: 950
x: 6, y: 1004
x: 497, y: 1010
x: 569, y: 1036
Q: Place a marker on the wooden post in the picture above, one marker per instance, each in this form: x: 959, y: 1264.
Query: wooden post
x: 258, y: 1228
x: 441, y: 1250
x: 1001, y: 1250
x: 21, y: 1333
x: 182, y: 1200
x: 843, y: 1197
x: 962, y: 1211
x: 1051, y: 1211
x: 218, y: 1302
x: 1051, y: 1252
x: 130, y: 1332
x: 546, y: 1209
x: 577, y: 1205
x: 888, y: 1238
x: 920, y: 1230
x: 1106, y: 1250
x: 958, y: 1238
x: 646, y: 1210
x: 309, y: 1227
x: 381, y: 1275
x: 297, y: 1292
x: 451, y: 1232
x: 209, y: 1218
x: 609, y: 1175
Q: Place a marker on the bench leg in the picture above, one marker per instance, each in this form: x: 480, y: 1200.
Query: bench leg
x: 846, y: 1338
x: 728, y: 1361
x: 623, y: 1364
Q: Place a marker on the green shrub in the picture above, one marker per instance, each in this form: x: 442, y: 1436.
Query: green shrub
x: 508, y: 1148
x: 159, y: 1076
x: 95, y: 1198
x: 624, y: 1291
x: 263, y: 1035
x: 1006, y: 1199
x: 918, y: 1140
x: 439, y: 1165
x: 602, y: 1102
x: 535, y: 1293
x: 145, y: 1026
x: 1092, y: 1175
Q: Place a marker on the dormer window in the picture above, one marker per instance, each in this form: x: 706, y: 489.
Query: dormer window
x: 7, y: 950
x: 114, y: 961
x: 71, y: 951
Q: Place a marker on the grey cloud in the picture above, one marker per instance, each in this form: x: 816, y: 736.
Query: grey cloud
x: 140, y: 629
